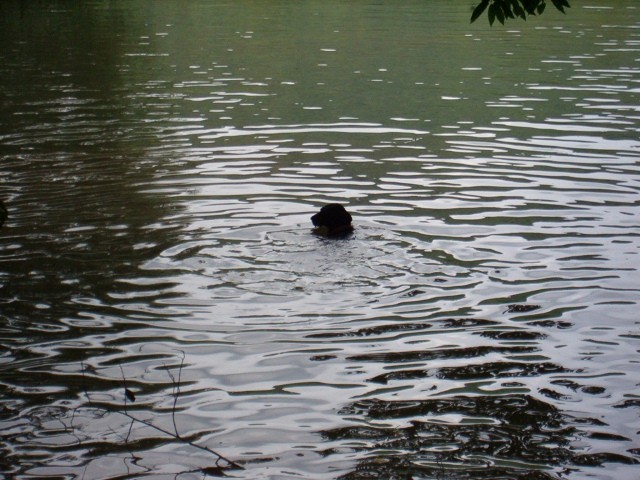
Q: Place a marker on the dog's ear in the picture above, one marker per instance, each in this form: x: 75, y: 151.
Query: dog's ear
x: 345, y: 216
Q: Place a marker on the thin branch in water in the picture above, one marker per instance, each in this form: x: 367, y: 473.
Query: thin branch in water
x: 124, y: 386
x: 175, y: 384
x: 177, y: 394
x: 188, y: 442
x: 84, y: 384
x: 175, y: 434
x: 126, y: 440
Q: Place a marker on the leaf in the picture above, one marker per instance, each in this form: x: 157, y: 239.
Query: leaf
x: 480, y: 8
x: 561, y: 4
x: 541, y: 8
x: 530, y: 6
x: 506, y: 9
x: 518, y: 10
x: 500, y: 13
x: 129, y: 394
x: 492, y: 14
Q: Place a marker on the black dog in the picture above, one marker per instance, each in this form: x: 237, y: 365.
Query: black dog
x: 332, y: 220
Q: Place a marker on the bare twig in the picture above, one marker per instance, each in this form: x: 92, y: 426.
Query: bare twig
x: 175, y: 434
x: 176, y: 393
x: 188, y: 442
x: 84, y: 385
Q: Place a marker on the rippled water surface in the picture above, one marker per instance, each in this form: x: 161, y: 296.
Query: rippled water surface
x: 159, y: 162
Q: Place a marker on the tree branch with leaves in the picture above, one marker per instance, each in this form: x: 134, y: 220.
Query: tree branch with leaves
x: 503, y: 10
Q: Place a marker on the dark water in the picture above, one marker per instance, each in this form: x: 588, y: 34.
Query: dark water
x: 159, y: 162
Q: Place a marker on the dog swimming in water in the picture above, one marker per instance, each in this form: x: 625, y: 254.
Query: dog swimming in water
x: 332, y: 220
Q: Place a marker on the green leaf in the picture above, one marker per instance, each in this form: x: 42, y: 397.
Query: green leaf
x: 541, y: 8
x: 492, y: 14
x: 500, y: 13
x: 518, y: 10
x: 530, y: 6
x: 561, y: 4
x: 480, y: 8
x: 506, y: 9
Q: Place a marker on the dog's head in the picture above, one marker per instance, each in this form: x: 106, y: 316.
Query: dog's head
x: 333, y: 218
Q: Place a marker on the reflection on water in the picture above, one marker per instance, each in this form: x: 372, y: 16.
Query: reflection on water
x: 159, y: 167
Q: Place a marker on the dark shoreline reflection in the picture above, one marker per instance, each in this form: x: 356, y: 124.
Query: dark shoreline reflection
x: 73, y: 271
x: 74, y: 165
x: 502, y: 437
x: 513, y: 436
x: 504, y: 434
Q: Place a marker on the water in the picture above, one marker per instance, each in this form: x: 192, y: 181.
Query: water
x: 160, y: 161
